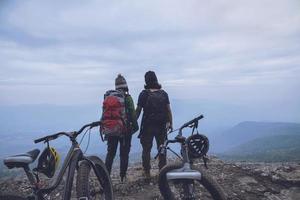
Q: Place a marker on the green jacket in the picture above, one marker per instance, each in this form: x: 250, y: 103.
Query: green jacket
x: 131, y: 115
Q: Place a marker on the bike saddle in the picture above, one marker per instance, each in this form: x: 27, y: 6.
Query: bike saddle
x: 21, y: 160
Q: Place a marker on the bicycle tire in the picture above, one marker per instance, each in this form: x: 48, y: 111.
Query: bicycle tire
x: 11, y: 197
x: 83, y: 176
x: 207, y: 181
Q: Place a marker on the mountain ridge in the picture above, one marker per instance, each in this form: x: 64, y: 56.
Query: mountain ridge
x: 249, y: 130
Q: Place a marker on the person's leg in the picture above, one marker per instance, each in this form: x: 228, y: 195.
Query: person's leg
x: 146, y: 141
x: 112, y: 145
x: 125, y: 144
x: 160, y: 136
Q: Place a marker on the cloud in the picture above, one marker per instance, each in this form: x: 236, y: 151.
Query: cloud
x: 52, y: 47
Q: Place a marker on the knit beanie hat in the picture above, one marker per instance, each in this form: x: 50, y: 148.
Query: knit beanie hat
x: 151, y: 81
x: 121, y: 83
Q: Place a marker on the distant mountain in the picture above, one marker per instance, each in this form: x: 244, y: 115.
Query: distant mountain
x: 20, y: 125
x: 247, y: 131
x: 267, y: 149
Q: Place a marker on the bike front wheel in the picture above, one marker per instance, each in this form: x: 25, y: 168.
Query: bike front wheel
x: 91, y: 184
x: 206, y: 188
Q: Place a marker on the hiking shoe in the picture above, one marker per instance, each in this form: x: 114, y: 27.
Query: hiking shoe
x: 123, y: 179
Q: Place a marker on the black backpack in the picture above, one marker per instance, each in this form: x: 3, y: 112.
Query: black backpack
x: 155, y: 108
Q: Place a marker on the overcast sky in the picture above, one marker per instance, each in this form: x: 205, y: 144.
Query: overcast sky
x: 69, y: 52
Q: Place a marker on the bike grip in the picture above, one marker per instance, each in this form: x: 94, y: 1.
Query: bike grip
x: 192, y: 121
x: 173, y: 141
x: 40, y: 140
x: 49, y: 137
x: 94, y: 124
x: 200, y: 117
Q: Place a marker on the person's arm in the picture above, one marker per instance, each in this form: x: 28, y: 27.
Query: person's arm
x: 141, y: 102
x: 169, y: 125
x: 138, y: 111
x: 170, y: 117
x: 132, y: 114
x: 131, y: 109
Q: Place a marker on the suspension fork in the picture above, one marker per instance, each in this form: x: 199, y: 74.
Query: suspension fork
x: 71, y: 171
x: 188, y: 185
x: 184, y: 153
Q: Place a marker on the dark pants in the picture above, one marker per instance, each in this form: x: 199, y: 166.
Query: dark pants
x: 112, y: 145
x: 159, y: 133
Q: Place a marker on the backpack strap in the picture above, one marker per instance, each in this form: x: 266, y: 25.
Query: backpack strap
x: 147, y: 99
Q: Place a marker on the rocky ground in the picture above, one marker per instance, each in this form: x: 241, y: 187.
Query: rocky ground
x: 240, y: 180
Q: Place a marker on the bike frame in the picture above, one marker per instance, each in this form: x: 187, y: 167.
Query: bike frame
x: 185, y: 172
x: 71, y: 161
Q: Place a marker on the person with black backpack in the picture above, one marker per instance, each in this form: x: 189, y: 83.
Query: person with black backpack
x: 119, y: 123
x: 156, y: 120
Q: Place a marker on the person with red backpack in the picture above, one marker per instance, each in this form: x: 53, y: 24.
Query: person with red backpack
x: 156, y: 120
x: 119, y: 123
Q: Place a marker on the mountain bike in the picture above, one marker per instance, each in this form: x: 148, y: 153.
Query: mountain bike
x: 75, y: 159
x: 184, y: 180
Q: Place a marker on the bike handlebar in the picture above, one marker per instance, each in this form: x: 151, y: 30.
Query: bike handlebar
x: 179, y: 138
x: 195, y: 120
x: 69, y: 134
x: 91, y: 125
x: 172, y: 141
x: 50, y: 137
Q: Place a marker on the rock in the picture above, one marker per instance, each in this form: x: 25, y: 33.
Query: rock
x: 264, y: 174
x: 292, y: 176
x: 273, y: 197
x: 291, y: 193
x: 261, y: 188
x: 247, y: 179
x: 275, y: 178
x: 241, y: 180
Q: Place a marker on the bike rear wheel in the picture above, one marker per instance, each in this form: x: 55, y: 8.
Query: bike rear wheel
x: 206, y: 188
x: 91, y: 186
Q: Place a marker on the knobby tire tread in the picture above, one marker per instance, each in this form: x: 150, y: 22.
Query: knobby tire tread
x: 82, y: 183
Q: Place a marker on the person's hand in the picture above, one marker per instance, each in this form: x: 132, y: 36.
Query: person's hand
x: 169, y: 127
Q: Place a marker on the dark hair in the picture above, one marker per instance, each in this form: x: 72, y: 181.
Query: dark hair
x: 153, y: 86
x: 151, y: 81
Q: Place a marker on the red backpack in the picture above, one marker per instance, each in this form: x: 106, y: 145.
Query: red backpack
x: 114, y: 118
